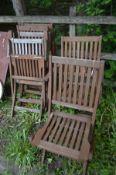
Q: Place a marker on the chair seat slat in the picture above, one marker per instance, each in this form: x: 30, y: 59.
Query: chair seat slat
x: 68, y: 137
x: 58, y: 149
x: 75, y: 134
x: 79, y: 137
x: 54, y: 130
x: 49, y: 128
x: 59, y: 131
x: 63, y: 135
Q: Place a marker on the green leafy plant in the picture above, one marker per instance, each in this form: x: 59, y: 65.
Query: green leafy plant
x: 95, y: 8
x: 19, y: 148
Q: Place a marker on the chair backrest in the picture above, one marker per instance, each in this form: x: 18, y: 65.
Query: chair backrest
x: 75, y: 83
x: 34, y: 28
x: 81, y: 47
x: 37, y: 31
x: 27, y: 67
x: 20, y: 46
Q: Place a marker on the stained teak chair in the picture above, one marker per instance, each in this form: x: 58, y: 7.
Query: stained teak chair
x: 27, y: 67
x: 27, y: 70
x: 76, y: 84
x: 83, y: 47
x: 30, y: 46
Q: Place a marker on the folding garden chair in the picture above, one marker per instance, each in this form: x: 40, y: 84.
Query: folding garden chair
x: 30, y: 46
x: 45, y: 31
x: 23, y: 53
x: 72, y: 87
x: 83, y: 47
x: 27, y: 70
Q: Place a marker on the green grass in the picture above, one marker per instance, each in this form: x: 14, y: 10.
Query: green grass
x: 6, y: 173
x: 17, y: 147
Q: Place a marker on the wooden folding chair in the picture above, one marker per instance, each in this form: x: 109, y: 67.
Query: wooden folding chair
x: 35, y: 47
x: 76, y: 84
x: 28, y: 48
x: 81, y: 47
x: 27, y: 70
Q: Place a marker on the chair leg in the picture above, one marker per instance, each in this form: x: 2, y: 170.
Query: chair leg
x: 13, y: 99
x: 12, y: 87
x: 41, y: 109
x: 43, y: 94
x: 85, y: 166
x: 21, y: 88
x: 41, y: 104
x: 92, y: 150
x: 42, y: 100
x: 46, y: 96
x: 43, y: 156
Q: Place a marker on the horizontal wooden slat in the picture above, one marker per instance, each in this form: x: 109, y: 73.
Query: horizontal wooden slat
x: 31, y: 57
x: 33, y: 91
x: 27, y: 78
x: 73, y: 106
x: 26, y: 109
x: 18, y: 78
x: 26, y: 40
x: 81, y: 38
x: 78, y: 117
x: 33, y: 101
x: 62, y: 150
x: 27, y: 82
x: 75, y: 61
x: 34, y: 27
x: 31, y: 34
x: 104, y: 56
x: 60, y: 19
x: 108, y: 56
